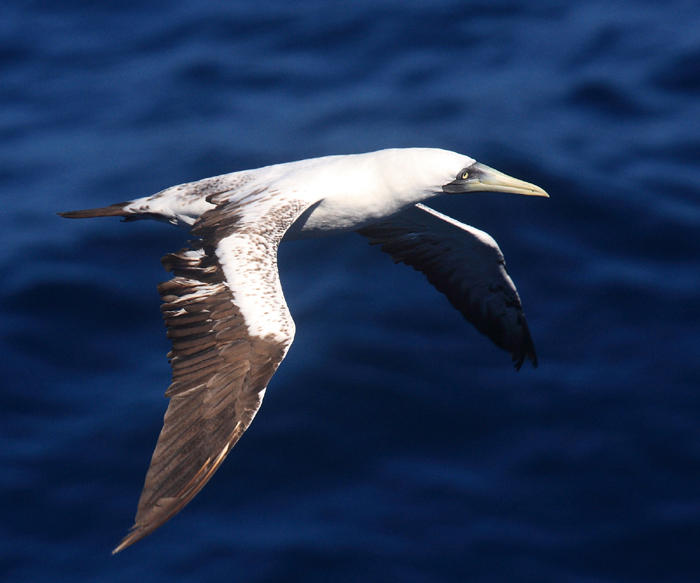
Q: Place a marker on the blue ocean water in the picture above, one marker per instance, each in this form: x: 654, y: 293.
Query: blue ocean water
x: 395, y: 443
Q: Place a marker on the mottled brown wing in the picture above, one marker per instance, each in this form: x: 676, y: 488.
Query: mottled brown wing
x: 467, y: 266
x: 221, y: 363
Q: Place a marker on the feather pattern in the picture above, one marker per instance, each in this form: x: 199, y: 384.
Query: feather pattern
x: 466, y: 265
x: 224, y: 308
x: 222, y: 358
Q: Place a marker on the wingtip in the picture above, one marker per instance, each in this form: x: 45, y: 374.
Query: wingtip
x: 526, y: 348
x: 128, y: 540
x: 533, y: 359
x: 518, y: 360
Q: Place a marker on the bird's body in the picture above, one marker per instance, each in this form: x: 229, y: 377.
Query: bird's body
x: 348, y: 191
x: 225, y: 310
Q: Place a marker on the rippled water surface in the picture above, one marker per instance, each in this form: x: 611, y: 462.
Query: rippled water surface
x: 395, y: 443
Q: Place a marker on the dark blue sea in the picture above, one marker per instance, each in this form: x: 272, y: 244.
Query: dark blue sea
x: 395, y: 442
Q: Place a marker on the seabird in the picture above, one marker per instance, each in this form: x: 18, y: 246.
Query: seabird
x: 224, y: 308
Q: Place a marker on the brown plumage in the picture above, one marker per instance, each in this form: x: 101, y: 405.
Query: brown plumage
x: 219, y: 373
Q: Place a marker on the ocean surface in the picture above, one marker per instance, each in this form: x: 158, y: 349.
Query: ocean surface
x: 395, y: 442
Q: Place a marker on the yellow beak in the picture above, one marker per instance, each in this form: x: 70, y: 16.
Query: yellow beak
x: 482, y: 178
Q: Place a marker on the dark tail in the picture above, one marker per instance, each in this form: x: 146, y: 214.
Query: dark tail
x: 113, y: 210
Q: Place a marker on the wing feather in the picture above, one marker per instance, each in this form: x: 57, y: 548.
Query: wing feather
x: 221, y: 364
x: 467, y: 266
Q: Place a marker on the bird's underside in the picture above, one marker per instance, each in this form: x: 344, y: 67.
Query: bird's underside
x: 230, y: 328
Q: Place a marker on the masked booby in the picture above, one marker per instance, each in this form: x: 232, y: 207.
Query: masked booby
x: 224, y: 308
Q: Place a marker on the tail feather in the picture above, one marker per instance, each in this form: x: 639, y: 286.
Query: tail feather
x: 113, y: 210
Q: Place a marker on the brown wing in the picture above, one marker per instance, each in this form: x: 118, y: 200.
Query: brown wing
x: 221, y: 363
x: 467, y: 266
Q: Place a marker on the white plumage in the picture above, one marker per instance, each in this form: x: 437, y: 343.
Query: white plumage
x: 224, y: 308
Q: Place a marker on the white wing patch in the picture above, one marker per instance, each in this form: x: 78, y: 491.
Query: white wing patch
x: 482, y: 236
x: 249, y: 263
x: 248, y: 258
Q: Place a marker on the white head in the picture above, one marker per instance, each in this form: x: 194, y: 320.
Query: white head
x: 434, y: 171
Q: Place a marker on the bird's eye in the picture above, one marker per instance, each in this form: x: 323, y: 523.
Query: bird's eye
x: 463, y: 175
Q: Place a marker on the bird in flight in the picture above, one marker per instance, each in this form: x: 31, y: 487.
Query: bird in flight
x: 224, y: 309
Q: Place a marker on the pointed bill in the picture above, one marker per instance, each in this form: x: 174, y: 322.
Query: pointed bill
x: 481, y: 178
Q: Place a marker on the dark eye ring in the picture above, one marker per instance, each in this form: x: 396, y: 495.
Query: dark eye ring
x: 464, y: 175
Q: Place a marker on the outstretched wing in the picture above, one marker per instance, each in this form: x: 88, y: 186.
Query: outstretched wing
x: 466, y: 265
x: 230, y: 329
